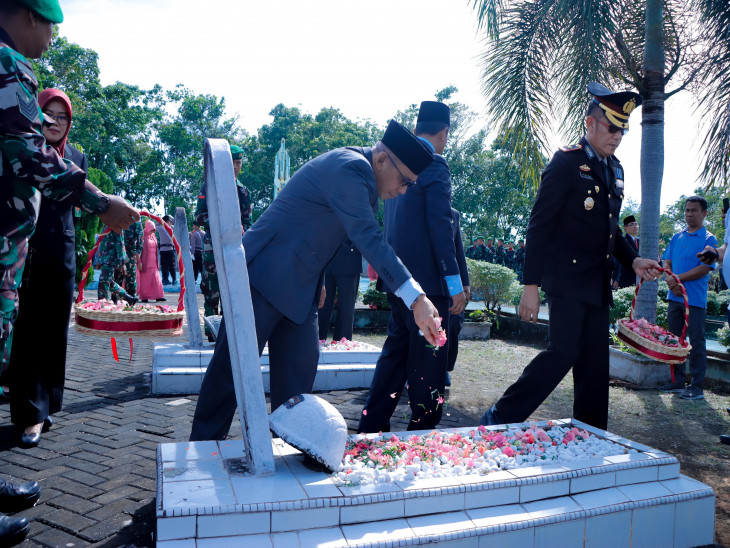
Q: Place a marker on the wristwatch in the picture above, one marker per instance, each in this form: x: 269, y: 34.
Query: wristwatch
x: 103, y: 205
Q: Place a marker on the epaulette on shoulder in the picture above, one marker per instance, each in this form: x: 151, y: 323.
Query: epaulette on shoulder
x: 571, y: 148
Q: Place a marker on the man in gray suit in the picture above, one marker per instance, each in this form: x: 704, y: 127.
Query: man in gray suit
x: 329, y: 199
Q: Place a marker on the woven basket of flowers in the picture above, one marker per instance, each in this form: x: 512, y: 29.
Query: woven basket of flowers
x: 105, y: 318
x: 652, y: 340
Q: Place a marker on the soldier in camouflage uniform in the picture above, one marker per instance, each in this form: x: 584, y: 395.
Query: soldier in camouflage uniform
x: 209, y: 282
x: 133, y: 247
x: 113, y: 258
x: 29, y: 168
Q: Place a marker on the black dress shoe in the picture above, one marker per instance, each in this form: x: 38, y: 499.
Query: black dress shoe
x: 18, y: 496
x: 30, y: 440
x: 13, y: 530
x: 491, y: 417
x: 725, y: 439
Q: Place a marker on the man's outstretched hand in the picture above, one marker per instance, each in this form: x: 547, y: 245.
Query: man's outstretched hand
x: 425, y: 314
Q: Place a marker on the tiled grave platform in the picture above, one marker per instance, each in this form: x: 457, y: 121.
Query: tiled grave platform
x: 179, y: 369
x: 205, y: 500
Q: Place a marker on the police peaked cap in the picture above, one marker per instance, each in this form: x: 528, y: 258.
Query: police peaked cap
x: 616, y: 106
x: 630, y: 219
x: 236, y: 152
x: 48, y: 9
x: 407, y: 147
x: 433, y: 111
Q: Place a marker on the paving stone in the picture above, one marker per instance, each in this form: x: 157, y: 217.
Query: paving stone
x: 69, y: 521
x: 83, y: 477
x: 113, y: 508
x: 75, y: 504
x: 55, y: 538
x: 107, y: 527
x: 116, y: 494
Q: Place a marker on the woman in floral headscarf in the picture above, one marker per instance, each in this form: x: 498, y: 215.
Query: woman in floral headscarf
x: 38, y: 362
x: 149, y: 282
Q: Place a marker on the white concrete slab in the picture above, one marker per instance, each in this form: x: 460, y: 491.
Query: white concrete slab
x: 205, y: 487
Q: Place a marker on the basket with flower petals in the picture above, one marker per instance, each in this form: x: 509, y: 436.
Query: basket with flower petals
x: 105, y: 318
x: 652, y: 340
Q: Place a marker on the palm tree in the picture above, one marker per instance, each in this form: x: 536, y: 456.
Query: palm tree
x: 715, y: 20
x: 540, y: 54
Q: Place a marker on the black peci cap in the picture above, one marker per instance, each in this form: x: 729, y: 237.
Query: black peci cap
x: 407, y: 147
x: 433, y: 111
x: 617, y: 106
x: 630, y: 219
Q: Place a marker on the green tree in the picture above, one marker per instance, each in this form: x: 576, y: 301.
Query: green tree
x: 306, y: 137
x: 113, y: 124
x: 88, y: 226
x: 542, y: 53
x: 179, y: 141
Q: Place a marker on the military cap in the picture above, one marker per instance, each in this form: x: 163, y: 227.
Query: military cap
x: 407, y: 147
x: 630, y: 219
x: 616, y: 105
x: 433, y: 111
x: 48, y: 9
x: 236, y: 152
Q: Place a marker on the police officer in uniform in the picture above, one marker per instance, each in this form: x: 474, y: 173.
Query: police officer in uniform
x: 209, y: 281
x: 580, y: 194
x: 419, y: 227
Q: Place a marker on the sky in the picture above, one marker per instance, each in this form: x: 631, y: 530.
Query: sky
x: 367, y: 59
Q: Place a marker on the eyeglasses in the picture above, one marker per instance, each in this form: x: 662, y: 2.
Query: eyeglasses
x: 406, y: 181
x: 60, y: 119
x: 613, y: 129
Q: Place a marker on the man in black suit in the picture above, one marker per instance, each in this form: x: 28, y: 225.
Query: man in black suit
x: 626, y: 277
x: 580, y: 195
x: 341, y: 277
x: 456, y: 321
x: 418, y: 226
x: 328, y: 200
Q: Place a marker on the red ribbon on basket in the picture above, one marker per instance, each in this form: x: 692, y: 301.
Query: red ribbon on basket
x: 111, y: 326
x: 647, y: 351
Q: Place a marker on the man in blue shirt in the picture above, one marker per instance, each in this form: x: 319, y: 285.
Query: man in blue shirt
x: 681, y: 257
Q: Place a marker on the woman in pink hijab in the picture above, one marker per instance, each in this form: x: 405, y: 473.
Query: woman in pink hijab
x: 149, y: 283
x: 38, y: 362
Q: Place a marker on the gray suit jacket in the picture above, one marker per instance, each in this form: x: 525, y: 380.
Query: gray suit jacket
x: 327, y: 200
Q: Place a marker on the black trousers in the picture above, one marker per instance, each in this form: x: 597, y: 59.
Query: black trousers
x: 455, y: 324
x: 346, y: 289
x: 406, y: 357
x: 38, y: 360
x: 167, y: 263
x: 578, y: 340
x: 197, y: 264
x: 293, y: 357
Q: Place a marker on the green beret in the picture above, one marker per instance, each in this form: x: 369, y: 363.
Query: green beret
x: 48, y: 9
x: 236, y: 152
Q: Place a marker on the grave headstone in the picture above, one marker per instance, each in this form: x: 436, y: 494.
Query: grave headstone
x: 191, y: 302
x: 230, y: 259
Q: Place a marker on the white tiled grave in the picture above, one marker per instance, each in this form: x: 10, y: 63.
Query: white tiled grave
x: 179, y: 369
x: 205, y: 498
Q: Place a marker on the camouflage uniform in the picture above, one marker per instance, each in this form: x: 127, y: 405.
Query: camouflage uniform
x: 132, y: 244
x: 29, y: 169
x: 209, y: 282
x: 113, y: 257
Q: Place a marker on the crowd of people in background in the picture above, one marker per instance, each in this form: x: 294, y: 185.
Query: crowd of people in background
x: 499, y: 251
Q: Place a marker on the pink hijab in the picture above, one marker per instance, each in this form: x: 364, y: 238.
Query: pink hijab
x: 45, y: 97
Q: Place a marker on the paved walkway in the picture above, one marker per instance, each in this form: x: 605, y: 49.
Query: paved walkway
x: 97, y: 464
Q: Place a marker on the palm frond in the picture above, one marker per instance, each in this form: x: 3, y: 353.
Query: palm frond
x: 489, y: 15
x: 715, y: 99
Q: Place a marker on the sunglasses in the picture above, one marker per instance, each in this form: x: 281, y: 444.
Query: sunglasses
x: 613, y: 129
x: 406, y: 181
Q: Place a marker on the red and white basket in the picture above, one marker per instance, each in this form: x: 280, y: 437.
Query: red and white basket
x: 650, y: 348
x: 131, y: 323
